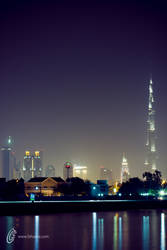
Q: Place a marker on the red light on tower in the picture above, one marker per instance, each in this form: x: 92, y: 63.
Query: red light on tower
x: 68, y: 170
x: 68, y: 164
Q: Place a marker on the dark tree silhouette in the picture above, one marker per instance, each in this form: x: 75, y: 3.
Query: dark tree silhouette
x: 134, y: 187
x: 152, y: 181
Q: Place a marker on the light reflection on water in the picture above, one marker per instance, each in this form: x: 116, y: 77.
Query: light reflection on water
x: 146, y: 232
x: 97, y: 239
x: 120, y: 233
x: 163, y: 234
x: 94, y: 236
x: 36, y: 245
x: 101, y: 232
x: 123, y: 230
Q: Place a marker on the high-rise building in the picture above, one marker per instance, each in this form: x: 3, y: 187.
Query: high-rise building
x: 6, y: 163
x: 151, y: 157
x: 80, y: 171
x: 32, y: 165
x: 27, y: 166
x: 8, y: 160
x: 17, y: 170
x: 67, y: 170
x: 50, y: 171
x: 106, y: 174
x: 37, y: 164
x: 124, y: 170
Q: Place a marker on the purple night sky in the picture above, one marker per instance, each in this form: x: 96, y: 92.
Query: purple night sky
x: 74, y: 80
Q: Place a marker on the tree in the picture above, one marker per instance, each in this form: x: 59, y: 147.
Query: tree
x: 77, y: 185
x: 152, y: 181
x: 134, y: 187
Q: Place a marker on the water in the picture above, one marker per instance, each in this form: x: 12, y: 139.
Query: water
x: 139, y: 229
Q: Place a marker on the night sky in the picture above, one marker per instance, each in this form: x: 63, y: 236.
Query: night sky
x: 74, y: 80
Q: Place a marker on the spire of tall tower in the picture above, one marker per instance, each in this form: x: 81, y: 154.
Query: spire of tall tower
x: 151, y: 136
x: 124, y: 169
x: 9, y: 142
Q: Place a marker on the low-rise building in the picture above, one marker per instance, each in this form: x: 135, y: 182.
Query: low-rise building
x: 98, y: 190
x: 44, y: 186
x: 103, y: 186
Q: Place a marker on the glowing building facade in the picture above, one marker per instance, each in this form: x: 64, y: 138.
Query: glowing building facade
x: 124, y: 170
x: 37, y: 164
x: 32, y: 165
x: 27, y: 166
x: 80, y: 171
x: 151, y: 157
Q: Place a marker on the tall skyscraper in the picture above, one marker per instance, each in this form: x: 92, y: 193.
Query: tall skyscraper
x: 106, y: 174
x: 80, y: 171
x: 8, y: 160
x: 32, y: 165
x: 151, y: 157
x: 67, y: 170
x: 37, y: 164
x: 27, y: 166
x: 17, y: 170
x: 6, y: 163
x: 124, y: 170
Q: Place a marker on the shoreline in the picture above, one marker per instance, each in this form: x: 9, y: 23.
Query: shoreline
x: 51, y: 207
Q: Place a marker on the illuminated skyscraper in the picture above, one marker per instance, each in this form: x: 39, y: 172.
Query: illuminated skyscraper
x: 80, y: 171
x: 151, y: 133
x: 8, y: 160
x: 27, y: 166
x: 37, y: 164
x: 32, y: 165
x: 67, y: 170
x: 124, y: 170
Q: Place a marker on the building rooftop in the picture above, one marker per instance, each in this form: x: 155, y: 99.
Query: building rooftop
x: 58, y: 179
x: 41, y: 179
x: 37, y: 179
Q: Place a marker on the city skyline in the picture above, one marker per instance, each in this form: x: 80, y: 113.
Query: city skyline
x: 74, y: 81
x: 10, y: 140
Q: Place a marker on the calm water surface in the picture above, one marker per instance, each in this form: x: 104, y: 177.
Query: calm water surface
x: 139, y: 229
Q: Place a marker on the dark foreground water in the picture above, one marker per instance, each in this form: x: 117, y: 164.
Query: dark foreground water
x: 140, y: 229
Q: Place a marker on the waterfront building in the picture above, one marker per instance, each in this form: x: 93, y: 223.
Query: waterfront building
x: 94, y: 190
x: 103, y: 187
x: 98, y: 190
x: 45, y: 186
